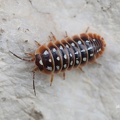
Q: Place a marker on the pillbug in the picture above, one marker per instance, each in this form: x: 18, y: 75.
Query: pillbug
x: 61, y: 55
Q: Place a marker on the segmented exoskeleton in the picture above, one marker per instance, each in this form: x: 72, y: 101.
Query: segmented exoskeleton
x: 61, y: 55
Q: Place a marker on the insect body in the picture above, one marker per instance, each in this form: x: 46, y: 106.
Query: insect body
x: 59, y: 56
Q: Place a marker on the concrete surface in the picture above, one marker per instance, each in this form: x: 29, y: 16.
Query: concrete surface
x: 92, y: 95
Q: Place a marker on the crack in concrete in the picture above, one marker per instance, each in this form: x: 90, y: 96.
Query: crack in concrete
x: 30, y: 1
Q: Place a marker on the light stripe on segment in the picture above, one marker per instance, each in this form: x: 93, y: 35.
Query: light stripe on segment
x: 90, y: 48
x: 79, y: 42
x: 72, y: 44
x: 87, y: 41
x: 70, y: 55
x: 65, y: 65
x: 58, y: 58
x: 76, y: 52
x: 83, y: 50
x: 45, y: 52
x: 49, y: 60
x: 91, y: 55
x: 65, y: 56
x: 41, y: 63
x: 61, y: 47
x: 100, y: 49
x: 67, y: 46
x: 77, y: 62
x: 49, y: 68
x: 71, y: 62
x: 54, y: 50
x: 58, y: 67
x: 84, y: 59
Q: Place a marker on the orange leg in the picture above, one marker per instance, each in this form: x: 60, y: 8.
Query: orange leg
x: 51, y: 80
x: 87, y: 29
x: 50, y: 38
x: 81, y: 69
x: 34, y: 79
x: 30, y: 60
x: 66, y: 35
x: 38, y: 44
x: 63, y: 75
x: 53, y: 36
x: 30, y: 54
x: 97, y: 63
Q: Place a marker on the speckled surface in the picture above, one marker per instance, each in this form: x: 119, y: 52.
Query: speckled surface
x: 92, y: 95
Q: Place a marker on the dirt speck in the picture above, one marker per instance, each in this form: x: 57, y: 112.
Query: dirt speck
x: 3, y: 19
x: 36, y: 115
x: 18, y: 28
x: 26, y: 41
x: 1, y: 30
x: 3, y: 99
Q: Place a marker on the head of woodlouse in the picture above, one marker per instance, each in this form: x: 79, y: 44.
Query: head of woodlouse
x: 43, y: 59
x: 38, y: 58
x: 38, y: 61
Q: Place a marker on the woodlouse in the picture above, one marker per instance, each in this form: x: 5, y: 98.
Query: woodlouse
x: 59, y: 56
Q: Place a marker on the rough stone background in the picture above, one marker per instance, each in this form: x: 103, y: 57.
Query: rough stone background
x: 92, y: 95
